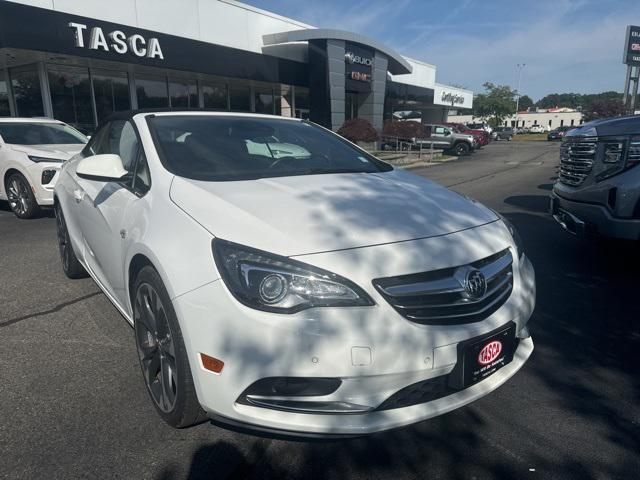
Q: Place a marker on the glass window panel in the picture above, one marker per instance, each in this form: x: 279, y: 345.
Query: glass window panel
x: 71, y: 97
x: 183, y: 94
x: 284, y: 103
x: 152, y: 92
x: 25, y: 84
x: 215, y: 96
x: 302, y: 102
x: 4, y: 96
x: 111, y: 91
x: 263, y: 99
x: 240, y: 98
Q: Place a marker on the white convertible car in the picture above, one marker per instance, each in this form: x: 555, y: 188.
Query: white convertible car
x: 322, y: 293
x: 31, y: 153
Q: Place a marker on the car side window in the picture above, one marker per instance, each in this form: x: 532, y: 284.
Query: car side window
x: 99, y: 142
x: 439, y: 131
x: 141, y: 177
x: 123, y: 141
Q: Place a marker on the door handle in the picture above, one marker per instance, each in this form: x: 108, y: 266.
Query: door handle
x: 78, y: 195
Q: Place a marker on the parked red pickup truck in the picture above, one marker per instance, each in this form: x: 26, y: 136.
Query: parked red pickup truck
x: 481, y: 136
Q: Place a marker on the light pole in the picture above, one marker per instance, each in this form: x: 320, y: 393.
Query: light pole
x: 519, y: 66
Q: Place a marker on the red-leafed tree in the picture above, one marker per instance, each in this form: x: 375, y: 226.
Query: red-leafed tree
x: 404, y: 129
x: 358, y: 130
x: 603, y: 109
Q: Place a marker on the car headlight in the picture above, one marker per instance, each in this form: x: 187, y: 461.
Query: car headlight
x: 269, y: 282
x: 619, y: 156
x: 517, y: 239
x: 37, y: 159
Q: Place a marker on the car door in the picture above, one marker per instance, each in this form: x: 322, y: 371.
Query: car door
x: 103, y: 206
x: 441, y: 137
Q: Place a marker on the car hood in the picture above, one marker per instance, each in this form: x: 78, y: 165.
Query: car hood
x: 317, y: 213
x: 60, y: 152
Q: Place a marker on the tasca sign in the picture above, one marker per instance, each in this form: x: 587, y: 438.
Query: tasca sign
x: 631, y: 54
x: 94, y: 38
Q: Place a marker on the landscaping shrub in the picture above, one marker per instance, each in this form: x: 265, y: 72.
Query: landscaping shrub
x: 358, y: 130
x: 404, y: 129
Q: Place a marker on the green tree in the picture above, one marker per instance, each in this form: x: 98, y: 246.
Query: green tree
x: 577, y: 100
x: 495, y: 104
x: 525, y: 103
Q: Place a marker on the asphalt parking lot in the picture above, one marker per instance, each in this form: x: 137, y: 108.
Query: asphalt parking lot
x: 73, y: 404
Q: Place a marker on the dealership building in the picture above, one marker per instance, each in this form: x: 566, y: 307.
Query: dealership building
x: 79, y: 61
x: 548, y: 118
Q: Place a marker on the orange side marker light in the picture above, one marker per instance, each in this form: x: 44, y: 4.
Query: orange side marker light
x: 212, y: 364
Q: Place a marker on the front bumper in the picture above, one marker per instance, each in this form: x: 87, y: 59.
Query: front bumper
x: 373, y: 350
x: 43, y: 192
x: 591, y: 220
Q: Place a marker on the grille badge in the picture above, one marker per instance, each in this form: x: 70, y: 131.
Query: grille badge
x: 475, y: 284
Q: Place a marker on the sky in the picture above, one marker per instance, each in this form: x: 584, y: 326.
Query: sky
x: 566, y: 45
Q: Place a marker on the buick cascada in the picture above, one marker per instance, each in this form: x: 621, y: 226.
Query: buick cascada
x: 281, y: 278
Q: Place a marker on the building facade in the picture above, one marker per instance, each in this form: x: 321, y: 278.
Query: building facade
x: 549, y: 119
x: 80, y: 61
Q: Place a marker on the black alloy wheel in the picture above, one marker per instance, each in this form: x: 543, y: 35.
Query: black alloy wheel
x: 70, y: 264
x: 20, y: 196
x: 162, y: 354
x: 461, y: 149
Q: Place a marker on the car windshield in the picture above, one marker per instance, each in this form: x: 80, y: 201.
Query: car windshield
x: 227, y: 148
x: 24, y: 133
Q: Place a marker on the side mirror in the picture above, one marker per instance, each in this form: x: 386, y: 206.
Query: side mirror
x: 102, y: 168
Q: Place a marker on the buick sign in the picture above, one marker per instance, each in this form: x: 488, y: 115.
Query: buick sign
x: 353, y: 58
x: 117, y: 42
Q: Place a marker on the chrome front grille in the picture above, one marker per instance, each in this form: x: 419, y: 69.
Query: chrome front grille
x: 439, y: 297
x: 576, y: 160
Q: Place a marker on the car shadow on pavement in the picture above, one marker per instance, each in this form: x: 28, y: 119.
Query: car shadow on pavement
x: 46, y: 212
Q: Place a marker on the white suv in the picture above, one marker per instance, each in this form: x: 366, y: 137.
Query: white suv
x: 319, y: 292
x: 31, y: 152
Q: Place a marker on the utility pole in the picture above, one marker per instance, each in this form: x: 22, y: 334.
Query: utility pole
x: 519, y: 66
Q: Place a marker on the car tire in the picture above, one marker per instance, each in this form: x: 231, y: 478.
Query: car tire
x: 162, y: 354
x: 20, y: 196
x: 460, y: 149
x: 70, y: 264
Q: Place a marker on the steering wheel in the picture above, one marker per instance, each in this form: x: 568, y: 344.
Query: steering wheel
x: 320, y: 159
x: 282, y: 161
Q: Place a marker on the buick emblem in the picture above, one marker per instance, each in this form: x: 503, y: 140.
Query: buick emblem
x: 475, y: 284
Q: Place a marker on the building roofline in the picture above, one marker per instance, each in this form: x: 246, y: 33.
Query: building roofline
x: 398, y: 65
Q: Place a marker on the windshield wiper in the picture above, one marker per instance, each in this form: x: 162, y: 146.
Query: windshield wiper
x: 316, y: 171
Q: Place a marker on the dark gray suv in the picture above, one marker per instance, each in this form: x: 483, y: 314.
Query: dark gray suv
x: 504, y: 133
x: 598, y: 188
